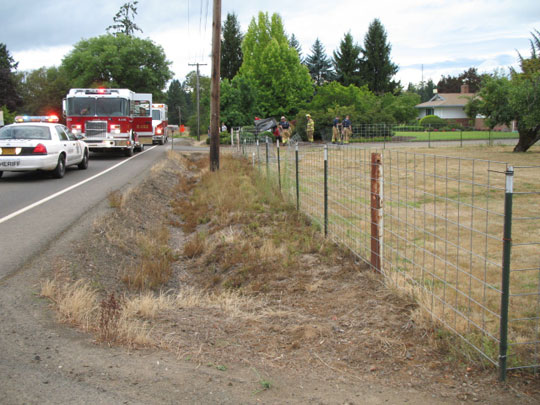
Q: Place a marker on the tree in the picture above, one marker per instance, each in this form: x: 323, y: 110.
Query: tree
x: 42, y: 91
x: 504, y: 99
x: 424, y: 89
x: 452, y: 84
x: 293, y: 43
x: 123, y: 20
x: 238, y: 101
x: 347, y: 61
x: 376, y: 68
x: 231, y: 47
x: 9, y: 95
x: 320, y: 67
x: 190, y: 85
x: 515, y: 97
x: 179, y: 98
x: 281, y: 81
x: 118, y: 61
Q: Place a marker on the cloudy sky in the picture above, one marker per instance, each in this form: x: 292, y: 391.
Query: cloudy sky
x: 442, y: 36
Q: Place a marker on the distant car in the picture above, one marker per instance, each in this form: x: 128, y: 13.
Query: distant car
x: 40, y: 143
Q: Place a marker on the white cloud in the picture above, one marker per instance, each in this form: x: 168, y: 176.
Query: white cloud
x: 446, y: 37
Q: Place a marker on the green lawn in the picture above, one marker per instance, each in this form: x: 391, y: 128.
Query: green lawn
x: 456, y: 135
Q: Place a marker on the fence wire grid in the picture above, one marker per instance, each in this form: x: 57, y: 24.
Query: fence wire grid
x: 443, y: 221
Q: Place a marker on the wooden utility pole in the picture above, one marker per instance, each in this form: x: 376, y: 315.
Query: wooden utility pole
x: 198, y: 99
x: 214, y: 101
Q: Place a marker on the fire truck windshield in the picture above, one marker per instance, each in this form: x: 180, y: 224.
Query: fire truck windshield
x: 103, y: 107
x: 156, y: 115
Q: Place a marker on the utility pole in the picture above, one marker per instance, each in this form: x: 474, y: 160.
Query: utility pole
x: 214, y: 96
x: 198, y: 99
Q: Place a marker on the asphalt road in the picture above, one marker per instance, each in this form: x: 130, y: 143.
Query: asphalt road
x: 35, y: 208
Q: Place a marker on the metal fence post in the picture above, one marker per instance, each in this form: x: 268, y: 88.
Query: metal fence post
x: 253, y: 160
x: 278, y: 166
x: 505, y: 287
x: 297, y: 179
x: 325, y: 190
x: 429, y: 138
x: 244, y: 148
x: 267, y: 160
x: 376, y: 212
x: 489, y: 138
x: 461, y: 139
x: 258, y: 156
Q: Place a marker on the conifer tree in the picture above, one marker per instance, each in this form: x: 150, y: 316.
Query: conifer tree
x: 347, y: 61
x: 231, y: 47
x: 320, y: 67
x: 377, y: 69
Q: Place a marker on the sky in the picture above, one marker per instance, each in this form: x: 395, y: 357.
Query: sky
x: 429, y: 38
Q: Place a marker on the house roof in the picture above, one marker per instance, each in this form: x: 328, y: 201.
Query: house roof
x: 447, y: 100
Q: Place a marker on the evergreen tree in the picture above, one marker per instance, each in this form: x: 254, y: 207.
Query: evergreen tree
x: 347, y: 61
x: 320, y: 67
x: 424, y: 89
x: 293, y: 43
x: 231, y: 47
x: 178, y: 98
x: 377, y: 68
x: 123, y: 20
x: 9, y: 95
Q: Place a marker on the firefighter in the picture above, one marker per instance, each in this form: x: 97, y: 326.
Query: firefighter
x: 336, y: 130
x: 347, y: 129
x: 310, y: 128
x: 284, y: 129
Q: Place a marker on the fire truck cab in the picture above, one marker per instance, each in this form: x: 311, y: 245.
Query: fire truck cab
x: 160, y: 123
x: 110, y: 119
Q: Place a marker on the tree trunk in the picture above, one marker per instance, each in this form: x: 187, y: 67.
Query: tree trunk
x: 527, y: 138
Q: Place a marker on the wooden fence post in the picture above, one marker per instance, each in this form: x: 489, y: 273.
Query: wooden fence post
x: 376, y: 212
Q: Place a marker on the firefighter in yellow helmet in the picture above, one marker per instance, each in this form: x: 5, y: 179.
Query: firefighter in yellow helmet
x: 310, y: 128
x: 284, y: 129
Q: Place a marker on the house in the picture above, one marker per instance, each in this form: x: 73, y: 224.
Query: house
x: 451, y: 107
x: 448, y: 106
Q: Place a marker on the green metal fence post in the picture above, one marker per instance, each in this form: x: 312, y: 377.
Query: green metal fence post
x: 461, y: 139
x: 490, y: 142
x: 429, y: 138
x: 278, y: 166
x: 267, y: 160
x: 297, y: 179
x: 258, y: 156
x: 505, y: 288
x: 325, y: 190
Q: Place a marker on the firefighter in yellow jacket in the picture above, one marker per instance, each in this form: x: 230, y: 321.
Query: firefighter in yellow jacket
x: 310, y: 128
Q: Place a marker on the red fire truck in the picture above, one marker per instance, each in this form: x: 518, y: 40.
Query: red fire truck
x: 160, y: 123
x: 110, y: 119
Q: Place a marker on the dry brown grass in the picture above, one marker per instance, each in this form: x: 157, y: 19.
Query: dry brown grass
x: 443, y: 226
x: 153, y: 266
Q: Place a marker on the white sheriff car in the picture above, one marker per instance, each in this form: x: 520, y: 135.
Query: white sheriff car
x: 40, y: 143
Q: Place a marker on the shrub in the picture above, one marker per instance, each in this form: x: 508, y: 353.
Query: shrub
x: 432, y: 121
x: 224, y: 138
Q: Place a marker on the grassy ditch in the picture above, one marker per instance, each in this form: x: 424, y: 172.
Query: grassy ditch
x: 227, y: 271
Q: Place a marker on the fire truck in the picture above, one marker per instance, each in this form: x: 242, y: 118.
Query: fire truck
x: 110, y: 119
x: 160, y: 123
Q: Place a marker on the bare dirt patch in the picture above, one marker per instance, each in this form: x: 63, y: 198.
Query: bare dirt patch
x: 240, y: 278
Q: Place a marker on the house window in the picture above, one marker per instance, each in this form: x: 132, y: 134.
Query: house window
x: 430, y: 111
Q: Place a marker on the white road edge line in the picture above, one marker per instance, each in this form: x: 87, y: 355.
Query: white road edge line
x: 59, y: 193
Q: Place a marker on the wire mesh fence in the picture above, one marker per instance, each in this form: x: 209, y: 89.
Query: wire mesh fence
x: 443, y: 227
x: 384, y: 134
